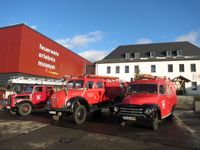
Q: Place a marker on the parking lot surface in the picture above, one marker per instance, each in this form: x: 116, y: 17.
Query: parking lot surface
x: 39, y: 131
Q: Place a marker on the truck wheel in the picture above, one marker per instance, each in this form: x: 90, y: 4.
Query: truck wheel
x: 171, y: 116
x: 154, y: 122
x: 79, y: 114
x: 24, y: 109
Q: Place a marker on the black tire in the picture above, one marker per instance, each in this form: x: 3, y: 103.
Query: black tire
x: 154, y: 122
x: 24, y: 109
x: 79, y: 114
x: 171, y: 116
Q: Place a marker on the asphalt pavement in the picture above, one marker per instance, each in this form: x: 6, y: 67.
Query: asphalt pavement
x: 38, y: 131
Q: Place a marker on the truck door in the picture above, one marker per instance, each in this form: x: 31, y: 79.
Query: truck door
x: 164, y: 100
x: 94, y: 92
x: 90, y: 94
x: 100, y: 91
x: 39, y: 95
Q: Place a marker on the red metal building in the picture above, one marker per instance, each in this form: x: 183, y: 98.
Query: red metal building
x: 24, y: 51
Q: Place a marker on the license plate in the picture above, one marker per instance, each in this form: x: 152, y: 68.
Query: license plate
x: 129, y: 118
x: 52, y: 112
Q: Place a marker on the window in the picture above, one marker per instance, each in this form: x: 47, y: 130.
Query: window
x: 168, y: 53
x: 162, y: 89
x: 90, y: 84
x: 136, y: 69
x: 152, y: 54
x: 126, y: 69
x: 194, y: 86
x: 127, y: 56
x: 193, y: 67
x: 153, y: 68
x: 170, y: 68
x: 179, y: 52
x: 108, y: 69
x: 117, y: 69
x: 99, y: 85
x: 38, y: 89
x: 181, y: 68
x: 74, y: 84
x: 136, y: 55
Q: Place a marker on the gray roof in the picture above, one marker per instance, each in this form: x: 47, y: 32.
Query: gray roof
x: 189, y: 51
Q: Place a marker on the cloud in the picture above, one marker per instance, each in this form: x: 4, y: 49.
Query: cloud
x: 81, y: 40
x: 93, y: 55
x: 143, y: 41
x: 34, y: 27
x: 192, y: 37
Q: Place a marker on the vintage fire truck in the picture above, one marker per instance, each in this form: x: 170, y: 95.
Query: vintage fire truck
x: 147, y: 100
x: 85, y: 94
x: 32, y: 97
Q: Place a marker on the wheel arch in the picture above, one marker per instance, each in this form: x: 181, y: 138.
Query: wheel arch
x: 25, y: 101
x: 79, y: 101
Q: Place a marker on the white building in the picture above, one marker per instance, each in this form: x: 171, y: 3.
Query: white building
x: 176, y: 60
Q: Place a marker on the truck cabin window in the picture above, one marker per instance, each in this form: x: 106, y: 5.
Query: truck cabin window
x: 90, y: 84
x: 27, y: 89
x: 162, y: 89
x: 38, y: 89
x: 75, y: 84
x: 142, y: 88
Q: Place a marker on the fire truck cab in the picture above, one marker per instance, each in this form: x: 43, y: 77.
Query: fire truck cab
x: 147, y: 100
x: 85, y: 93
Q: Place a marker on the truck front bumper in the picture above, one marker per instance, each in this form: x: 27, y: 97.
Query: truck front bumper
x: 135, y: 113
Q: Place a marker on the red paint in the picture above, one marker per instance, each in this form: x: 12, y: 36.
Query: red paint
x: 90, y: 92
x: 148, y: 100
x: 20, y: 48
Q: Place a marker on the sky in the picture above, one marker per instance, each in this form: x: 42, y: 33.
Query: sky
x: 94, y: 28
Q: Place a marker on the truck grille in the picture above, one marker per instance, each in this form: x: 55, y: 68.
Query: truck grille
x: 131, y: 110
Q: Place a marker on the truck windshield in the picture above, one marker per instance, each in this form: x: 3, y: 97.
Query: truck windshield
x: 142, y: 88
x: 75, y: 84
x: 27, y: 89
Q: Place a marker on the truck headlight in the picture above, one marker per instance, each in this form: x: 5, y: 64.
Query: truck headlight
x: 147, y: 111
x: 116, y: 109
x: 68, y: 104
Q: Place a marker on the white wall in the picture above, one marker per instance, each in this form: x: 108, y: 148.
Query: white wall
x: 161, y: 70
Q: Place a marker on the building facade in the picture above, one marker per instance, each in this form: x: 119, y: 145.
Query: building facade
x: 26, y: 52
x: 179, y: 61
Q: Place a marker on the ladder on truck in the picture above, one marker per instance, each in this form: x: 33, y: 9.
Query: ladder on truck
x: 33, y: 80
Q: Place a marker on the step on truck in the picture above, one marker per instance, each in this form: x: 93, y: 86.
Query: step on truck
x: 148, y: 100
x: 31, y: 97
x: 86, y: 94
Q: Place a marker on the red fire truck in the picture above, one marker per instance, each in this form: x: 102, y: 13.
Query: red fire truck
x: 148, y: 99
x: 32, y: 97
x: 85, y: 93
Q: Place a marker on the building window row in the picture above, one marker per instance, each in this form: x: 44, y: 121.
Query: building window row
x: 152, y: 54
x: 153, y: 68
